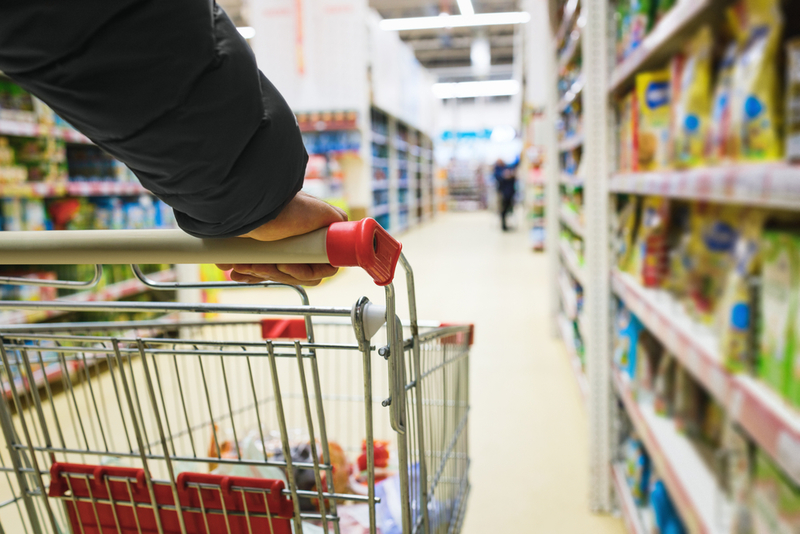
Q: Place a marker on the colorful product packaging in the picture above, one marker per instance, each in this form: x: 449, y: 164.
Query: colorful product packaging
x: 719, y: 145
x: 778, y: 306
x: 650, y: 254
x: 793, y: 99
x: 756, y: 105
x: 793, y: 373
x: 734, y: 313
x: 652, y: 120
x: 627, y: 131
x: 691, y: 97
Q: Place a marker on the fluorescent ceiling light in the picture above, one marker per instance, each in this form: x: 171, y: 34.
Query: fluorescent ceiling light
x: 455, y: 21
x: 476, y: 89
x: 465, y: 7
x: 248, y: 32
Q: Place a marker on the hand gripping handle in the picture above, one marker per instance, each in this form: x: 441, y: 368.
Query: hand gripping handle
x: 347, y: 244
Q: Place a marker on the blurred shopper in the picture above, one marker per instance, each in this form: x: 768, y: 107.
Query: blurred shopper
x: 506, y: 180
x: 172, y: 90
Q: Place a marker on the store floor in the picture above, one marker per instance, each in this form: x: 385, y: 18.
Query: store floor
x: 528, y: 432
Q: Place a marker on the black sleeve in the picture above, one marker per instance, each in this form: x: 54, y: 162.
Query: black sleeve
x: 172, y: 90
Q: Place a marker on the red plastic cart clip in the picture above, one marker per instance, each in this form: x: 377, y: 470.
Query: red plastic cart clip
x: 364, y: 244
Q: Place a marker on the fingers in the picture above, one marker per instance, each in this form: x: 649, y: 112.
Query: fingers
x: 294, y: 274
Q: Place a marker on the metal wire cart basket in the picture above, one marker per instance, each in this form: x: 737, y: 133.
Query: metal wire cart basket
x: 266, y: 419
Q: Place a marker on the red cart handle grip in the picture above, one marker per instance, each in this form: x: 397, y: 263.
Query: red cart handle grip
x: 364, y: 244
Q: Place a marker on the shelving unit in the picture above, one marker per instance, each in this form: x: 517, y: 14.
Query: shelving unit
x: 630, y: 512
x: 693, y: 488
x: 401, y: 173
x: 762, y: 416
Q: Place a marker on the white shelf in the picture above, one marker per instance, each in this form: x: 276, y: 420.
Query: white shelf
x: 111, y: 292
x: 570, y: 143
x: 33, y: 129
x: 662, y: 39
x: 571, y: 221
x: 380, y: 185
x: 698, y: 498
x: 565, y: 327
x: 773, y: 185
x: 630, y: 512
x: 770, y: 422
x: 570, y: 260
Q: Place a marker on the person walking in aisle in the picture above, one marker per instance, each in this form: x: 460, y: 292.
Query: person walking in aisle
x: 506, y: 180
x: 173, y: 91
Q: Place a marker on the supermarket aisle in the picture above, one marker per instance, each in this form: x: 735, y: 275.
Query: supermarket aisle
x: 528, y: 428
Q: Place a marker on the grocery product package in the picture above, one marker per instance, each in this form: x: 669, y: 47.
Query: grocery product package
x: 719, y: 145
x: 641, y: 14
x: 625, y: 238
x: 778, y: 305
x: 626, y: 342
x: 627, y: 132
x: 734, y: 312
x: 691, y: 100
x: 652, y: 120
x: 650, y: 254
x: 793, y: 99
x: 715, y: 232
x: 756, y: 105
x: 664, y: 385
x: 793, y: 372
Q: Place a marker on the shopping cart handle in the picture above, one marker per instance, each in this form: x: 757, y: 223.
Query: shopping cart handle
x: 362, y: 243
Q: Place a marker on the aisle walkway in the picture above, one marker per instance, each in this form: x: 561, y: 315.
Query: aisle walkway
x: 528, y: 428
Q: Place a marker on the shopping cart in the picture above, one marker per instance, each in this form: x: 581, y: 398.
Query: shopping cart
x: 267, y: 419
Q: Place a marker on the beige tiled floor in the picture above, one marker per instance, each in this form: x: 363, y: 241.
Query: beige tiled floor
x: 528, y: 427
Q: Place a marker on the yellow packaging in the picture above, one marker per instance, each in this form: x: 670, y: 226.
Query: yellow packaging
x: 735, y: 309
x: 756, y: 105
x: 692, y: 102
x: 715, y: 231
x: 652, y: 120
x: 719, y: 146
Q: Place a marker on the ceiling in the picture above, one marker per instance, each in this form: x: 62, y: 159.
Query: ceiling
x: 447, y: 51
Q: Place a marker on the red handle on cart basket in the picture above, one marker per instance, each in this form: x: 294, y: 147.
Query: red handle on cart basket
x: 363, y: 244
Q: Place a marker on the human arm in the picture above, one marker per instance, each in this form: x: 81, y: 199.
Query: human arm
x: 173, y: 91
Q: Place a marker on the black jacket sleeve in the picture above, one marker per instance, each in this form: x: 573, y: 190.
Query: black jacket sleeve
x: 172, y: 90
